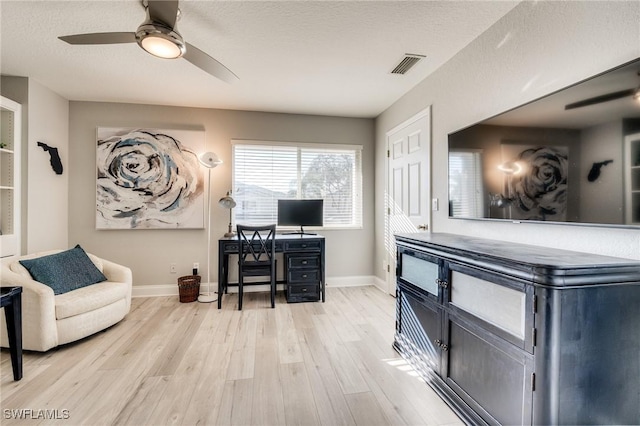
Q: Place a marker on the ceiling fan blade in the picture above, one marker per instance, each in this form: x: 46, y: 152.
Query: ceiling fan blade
x: 205, y: 62
x: 100, y: 38
x: 599, y: 99
x: 165, y: 11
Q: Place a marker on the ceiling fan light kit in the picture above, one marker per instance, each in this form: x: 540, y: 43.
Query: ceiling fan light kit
x: 160, y: 41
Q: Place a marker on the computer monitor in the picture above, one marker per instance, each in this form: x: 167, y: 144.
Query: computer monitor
x: 300, y: 213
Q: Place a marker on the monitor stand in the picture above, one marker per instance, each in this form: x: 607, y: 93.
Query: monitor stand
x: 300, y: 232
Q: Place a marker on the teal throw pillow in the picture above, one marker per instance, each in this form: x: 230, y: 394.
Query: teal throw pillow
x: 64, y: 271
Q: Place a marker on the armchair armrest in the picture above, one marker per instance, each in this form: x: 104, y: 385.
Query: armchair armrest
x: 38, y: 312
x: 118, y: 273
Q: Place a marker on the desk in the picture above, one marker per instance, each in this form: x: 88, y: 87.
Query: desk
x: 11, y: 301
x: 304, y: 263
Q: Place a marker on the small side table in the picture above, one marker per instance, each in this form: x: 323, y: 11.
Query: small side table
x: 11, y: 301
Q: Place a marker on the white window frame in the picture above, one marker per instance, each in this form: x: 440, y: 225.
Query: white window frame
x: 357, y: 221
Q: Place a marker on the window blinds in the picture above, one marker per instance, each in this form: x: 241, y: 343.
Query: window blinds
x: 264, y: 172
x: 465, y: 184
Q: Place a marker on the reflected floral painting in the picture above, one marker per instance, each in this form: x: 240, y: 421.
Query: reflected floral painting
x: 149, y: 179
x: 538, y: 183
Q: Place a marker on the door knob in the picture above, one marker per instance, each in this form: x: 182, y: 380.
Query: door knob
x: 423, y: 227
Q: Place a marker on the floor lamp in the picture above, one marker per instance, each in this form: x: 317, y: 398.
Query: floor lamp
x: 209, y: 160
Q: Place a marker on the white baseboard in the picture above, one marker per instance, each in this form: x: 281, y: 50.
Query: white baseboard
x: 172, y: 289
x: 154, y: 290
x: 352, y: 281
x: 380, y: 283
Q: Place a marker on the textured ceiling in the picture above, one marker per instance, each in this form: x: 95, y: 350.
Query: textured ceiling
x: 327, y: 58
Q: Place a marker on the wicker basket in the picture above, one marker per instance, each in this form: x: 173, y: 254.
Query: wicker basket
x: 189, y: 288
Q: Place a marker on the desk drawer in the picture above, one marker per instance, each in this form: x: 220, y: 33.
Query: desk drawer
x: 232, y: 248
x: 298, y: 262
x: 303, y: 276
x: 303, y: 293
x: 302, y: 245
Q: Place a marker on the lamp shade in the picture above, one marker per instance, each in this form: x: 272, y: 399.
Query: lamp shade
x: 227, y: 202
x: 210, y: 160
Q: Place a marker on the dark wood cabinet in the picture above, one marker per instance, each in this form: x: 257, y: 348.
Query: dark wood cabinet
x: 304, y: 267
x: 516, y: 334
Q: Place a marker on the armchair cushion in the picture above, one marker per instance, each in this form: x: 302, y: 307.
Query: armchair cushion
x: 64, y: 271
x: 89, y: 298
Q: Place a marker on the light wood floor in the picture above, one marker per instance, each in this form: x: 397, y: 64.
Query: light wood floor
x: 190, y: 363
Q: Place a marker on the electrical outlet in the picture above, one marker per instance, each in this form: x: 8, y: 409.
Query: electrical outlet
x: 172, y: 268
x: 196, y: 265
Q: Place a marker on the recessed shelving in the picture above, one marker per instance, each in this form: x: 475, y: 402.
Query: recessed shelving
x: 10, y: 117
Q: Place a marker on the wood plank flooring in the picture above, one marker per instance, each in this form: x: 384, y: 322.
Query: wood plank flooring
x: 192, y: 364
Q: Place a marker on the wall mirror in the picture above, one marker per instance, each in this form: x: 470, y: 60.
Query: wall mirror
x: 570, y: 157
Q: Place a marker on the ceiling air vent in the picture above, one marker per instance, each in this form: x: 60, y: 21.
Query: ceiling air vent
x: 406, y: 63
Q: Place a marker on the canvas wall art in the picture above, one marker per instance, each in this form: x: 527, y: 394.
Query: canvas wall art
x: 536, y: 181
x: 149, y: 179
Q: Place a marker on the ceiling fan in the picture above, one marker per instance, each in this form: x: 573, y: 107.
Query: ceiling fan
x: 158, y: 36
x: 635, y: 93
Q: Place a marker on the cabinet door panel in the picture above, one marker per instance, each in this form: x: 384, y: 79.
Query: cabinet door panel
x: 420, y: 272
x: 496, y: 304
x: 493, y: 377
x: 419, y: 326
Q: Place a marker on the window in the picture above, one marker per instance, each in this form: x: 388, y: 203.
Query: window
x: 465, y: 184
x: 264, y: 172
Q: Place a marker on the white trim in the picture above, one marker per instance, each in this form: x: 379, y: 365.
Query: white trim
x: 424, y: 113
x: 350, y: 281
x: 154, y: 290
x: 162, y: 290
x: 381, y: 284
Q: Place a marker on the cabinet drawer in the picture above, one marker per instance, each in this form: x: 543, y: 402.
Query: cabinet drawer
x: 308, y: 262
x: 232, y: 248
x: 498, y: 305
x: 302, y: 245
x: 303, y: 293
x: 420, y: 272
x: 303, y: 276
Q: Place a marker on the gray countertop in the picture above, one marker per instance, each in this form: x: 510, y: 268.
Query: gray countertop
x: 541, y: 265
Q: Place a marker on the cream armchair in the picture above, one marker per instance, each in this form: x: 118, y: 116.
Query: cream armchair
x: 50, y: 320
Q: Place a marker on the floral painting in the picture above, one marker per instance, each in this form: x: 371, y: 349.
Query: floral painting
x: 536, y: 181
x: 149, y: 179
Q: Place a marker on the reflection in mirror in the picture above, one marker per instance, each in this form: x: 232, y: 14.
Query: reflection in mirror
x: 573, y: 156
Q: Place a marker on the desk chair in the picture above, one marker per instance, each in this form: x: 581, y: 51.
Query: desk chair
x: 257, y: 256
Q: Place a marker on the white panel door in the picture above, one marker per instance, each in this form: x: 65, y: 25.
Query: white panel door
x: 408, y: 183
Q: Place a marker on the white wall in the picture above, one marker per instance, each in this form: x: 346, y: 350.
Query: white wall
x: 150, y: 252
x: 535, y: 49
x: 47, y: 198
x: 45, y: 118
